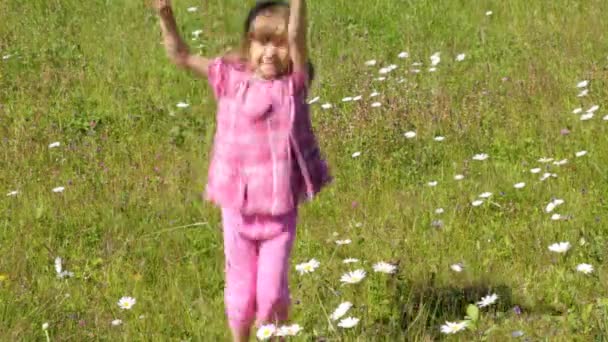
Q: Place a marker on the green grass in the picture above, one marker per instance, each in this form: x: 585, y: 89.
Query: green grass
x: 94, y: 76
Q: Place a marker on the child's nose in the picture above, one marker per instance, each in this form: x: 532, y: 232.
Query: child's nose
x: 270, y: 50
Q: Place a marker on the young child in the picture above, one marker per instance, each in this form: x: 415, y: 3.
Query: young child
x: 265, y: 160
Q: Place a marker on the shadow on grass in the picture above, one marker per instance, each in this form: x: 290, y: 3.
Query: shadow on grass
x: 424, y: 307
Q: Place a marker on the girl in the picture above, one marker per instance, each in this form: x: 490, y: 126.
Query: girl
x: 265, y: 159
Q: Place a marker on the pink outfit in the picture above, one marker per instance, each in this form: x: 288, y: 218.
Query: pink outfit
x: 265, y: 161
x: 257, y: 249
x: 265, y: 158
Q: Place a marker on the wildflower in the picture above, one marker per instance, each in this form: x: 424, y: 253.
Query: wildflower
x: 459, y: 267
x: 357, y: 98
x: 584, y: 268
x: 326, y: 106
x: 535, y: 170
x: 116, y: 322
x: 561, y: 247
x: 582, y: 84
x: 556, y: 217
x: 126, y: 303
x: 439, y: 138
x: 581, y: 153
x: 376, y: 104
x: 485, y: 195
x: 384, y: 267
x: 410, y: 134
x: 58, y: 189
x: 350, y: 260
x: 314, y: 100
x: 348, y: 322
x: 266, y: 331
x: 356, y: 154
x: 458, y: 177
x: 353, y: 277
x: 343, y: 242
x: 403, y: 55
x: 460, y: 57
x: 341, y: 310
x: 289, y: 330
x: 519, y: 185
x: 477, y: 203
x: 489, y: 13
x: 12, y: 193
x: 371, y: 62
x: 432, y: 183
x: 435, y: 59
x: 577, y: 110
x: 453, y: 327
x: 480, y: 156
x: 347, y: 99
x: 45, y: 326
x: 192, y: 9
x: 374, y: 94
x: 586, y: 117
x: 487, y: 300
x: 593, y: 109
x: 308, y: 267
x: 545, y: 160
x: 439, y: 211
x: 182, y: 105
x: 55, y: 144
x: 583, y: 93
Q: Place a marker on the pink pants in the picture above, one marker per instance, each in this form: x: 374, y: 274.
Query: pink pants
x: 257, y: 250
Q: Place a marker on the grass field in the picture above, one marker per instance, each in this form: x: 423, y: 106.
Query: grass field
x: 130, y: 221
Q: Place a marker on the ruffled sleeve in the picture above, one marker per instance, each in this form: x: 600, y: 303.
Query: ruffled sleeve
x: 218, y: 76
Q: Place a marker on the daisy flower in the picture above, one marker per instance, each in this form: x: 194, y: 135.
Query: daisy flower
x: 289, y: 330
x: 326, y: 106
x: 58, y: 189
x: 582, y: 84
x: 485, y: 195
x: 487, y: 300
x: 308, y: 267
x: 453, y: 327
x: 477, y: 203
x: 12, y: 193
x: 343, y: 242
x: 519, y: 185
x: 126, y: 303
x: 458, y: 177
x: 403, y: 55
x: 314, y: 100
x: 116, y: 322
x: 182, y: 105
x: 341, y: 310
x: 480, y: 156
x: 460, y: 57
x: 55, y: 144
x: 350, y: 260
x: 439, y: 138
x: 384, y: 267
x: 266, y: 331
x: 584, y: 268
x: 432, y: 183
x: 356, y: 154
x: 376, y: 104
x: 348, y: 322
x: 439, y: 211
x: 410, y: 134
x: 560, y: 247
x: 535, y: 170
x: 577, y: 110
x: 353, y: 277
x: 581, y: 153
x: 457, y: 267
x: 371, y: 62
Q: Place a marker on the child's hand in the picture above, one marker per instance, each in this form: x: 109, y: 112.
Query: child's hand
x: 161, y: 5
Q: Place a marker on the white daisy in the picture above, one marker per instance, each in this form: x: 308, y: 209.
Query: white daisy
x: 439, y: 138
x: 477, y: 203
x: 197, y: 33
x: 126, y: 303
x: 12, y: 193
x: 561, y: 162
x: 519, y: 185
x: 545, y: 160
x: 459, y: 267
x: 356, y: 154
x: 384, y: 267
x: 605, y: 118
x: 584, y: 268
x: 453, y: 327
x: 487, y: 300
x: 380, y: 79
x: 45, y: 326
x: 577, y: 110
x: 582, y: 84
x: 485, y: 195
x: 433, y: 69
x: 347, y: 99
x: 535, y: 170
x: 439, y: 211
x: 458, y: 177
x: 587, y: 116
x: 308, y: 267
x: 416, y: 64
x: 116, y: 322
x: 384, y: 71
x: 581, y: 153
x: 403, y: 55
x: 341, y: 310
x: 593, y: 109
x: 55, y: 144
x: 432, y: 183
x: 357, y: 98
x: 266, y: 331
x: 410, y: 134
x: 314, y: 100
x: 182, y: 105
x: 371, y: 62
x: 343, y: 242
x: 583, y: 93
x: 556, y: 217
x: 326, y: 105
x: 489, y: 13
x: 460, y: 57
x: 289, y: 330
x: 435, y: 59
x: 374, y: 94
x: 350, y: 260
x: 58, y: 189
x: 546, y: 175
x: 560, y: 247
x: 415, y: 71
x: 348, y: 322
x: 376, y: 104
x: 353, y: 277
x: 192, y: 9
x: 480, y: 156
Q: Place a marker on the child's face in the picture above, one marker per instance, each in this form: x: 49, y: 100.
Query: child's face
x: 268, y: 49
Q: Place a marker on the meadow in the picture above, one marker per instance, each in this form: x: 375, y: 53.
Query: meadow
x: 467, y: 140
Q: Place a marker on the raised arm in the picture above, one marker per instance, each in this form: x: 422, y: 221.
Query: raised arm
x: 177, y: 50
x: 297, y: 34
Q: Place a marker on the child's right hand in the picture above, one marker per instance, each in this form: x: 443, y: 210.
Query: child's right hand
x: 161, y: 5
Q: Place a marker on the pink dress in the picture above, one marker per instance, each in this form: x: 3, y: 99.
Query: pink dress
x: 265, y: 158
